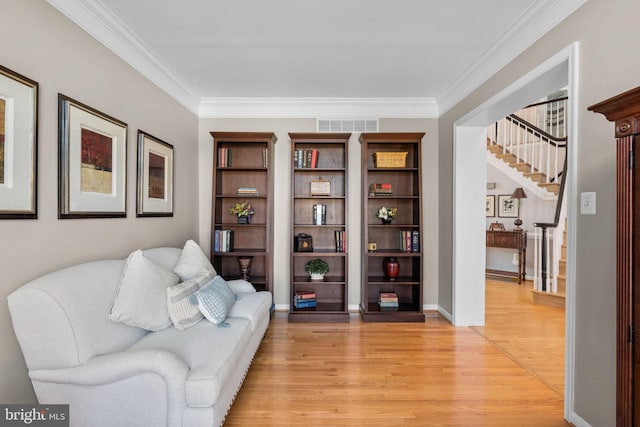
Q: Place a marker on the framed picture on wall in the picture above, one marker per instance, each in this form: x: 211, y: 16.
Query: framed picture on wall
x: 155, y: 176
x: 92, y: 162
x: 490, y: 207
x: 508, y: 206
x: 18, y: 145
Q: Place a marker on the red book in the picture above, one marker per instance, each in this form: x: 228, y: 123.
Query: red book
x: 314, y: 158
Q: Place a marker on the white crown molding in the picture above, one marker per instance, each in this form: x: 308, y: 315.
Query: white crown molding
x: 532, y: 25
x: 318, y: 107
x: 97, y: 20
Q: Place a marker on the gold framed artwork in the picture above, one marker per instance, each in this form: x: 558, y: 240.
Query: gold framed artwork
x: 155, y: 176
x: 18, y: 145
x: 490, y: 206
x: 92, y: 162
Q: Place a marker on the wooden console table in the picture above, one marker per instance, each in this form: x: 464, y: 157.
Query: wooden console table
x: 511, y: 240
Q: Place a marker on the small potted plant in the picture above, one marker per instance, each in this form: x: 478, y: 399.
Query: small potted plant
x: 243, y: 211
x: 317, y: 268
x: 387, y: 214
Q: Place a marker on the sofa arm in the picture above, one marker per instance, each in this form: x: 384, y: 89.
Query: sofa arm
x: 118, y: 366
x: 239, y: 286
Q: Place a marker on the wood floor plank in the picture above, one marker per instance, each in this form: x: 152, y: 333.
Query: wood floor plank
x: 507, y: 373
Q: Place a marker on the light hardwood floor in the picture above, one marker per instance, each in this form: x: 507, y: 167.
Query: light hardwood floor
x: 508, y: 373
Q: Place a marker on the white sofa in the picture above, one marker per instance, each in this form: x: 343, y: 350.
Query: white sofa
x: 112, y: 374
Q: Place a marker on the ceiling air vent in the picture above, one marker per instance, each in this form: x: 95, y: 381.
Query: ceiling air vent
x: 347, y: 125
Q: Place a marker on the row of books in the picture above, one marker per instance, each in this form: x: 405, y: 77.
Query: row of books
x: 247, y: 191
x: 340, y: 237
x: 319, y: 214
x: 410, y: 241
x: 225, y: 157
x: 378, y: 190
x: 388, y: 301
x: 307, y: 158
x: 304, y: 299
x: 223, y: 240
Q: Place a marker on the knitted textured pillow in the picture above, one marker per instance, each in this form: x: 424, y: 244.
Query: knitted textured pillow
x: 182, y: 303
x: 215, y: 301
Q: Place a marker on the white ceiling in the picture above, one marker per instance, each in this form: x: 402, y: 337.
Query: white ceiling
x: 218, y: 57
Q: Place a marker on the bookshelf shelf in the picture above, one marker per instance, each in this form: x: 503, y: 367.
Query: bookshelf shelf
x: 398, y: 187
x: 242, y: 160
x: 320, y: 161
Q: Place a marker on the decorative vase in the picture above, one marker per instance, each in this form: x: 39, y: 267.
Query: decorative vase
x: 245, y: 266
x: 244, y: 219
x: 391, y: 268
x: 386, y: 221
x: 316, y: 276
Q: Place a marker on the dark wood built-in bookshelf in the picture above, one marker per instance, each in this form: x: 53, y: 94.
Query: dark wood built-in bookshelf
x: 319, y: 178
x: 391, y: 177
x: 242, y: 172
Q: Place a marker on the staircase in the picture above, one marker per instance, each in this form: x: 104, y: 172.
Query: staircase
x: 530, y: 147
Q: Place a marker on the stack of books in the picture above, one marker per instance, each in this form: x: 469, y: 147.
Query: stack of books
x: 224, y: 157
x: 384, y: 189
x: 410, y: 241
x: 304, y: 299
x: 247, y: 191
x: 223, y: 240
x: 319, y: 214
x: 340, y: 238
x: 388, y: 301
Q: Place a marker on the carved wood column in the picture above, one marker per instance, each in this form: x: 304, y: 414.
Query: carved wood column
x: 624, y: 110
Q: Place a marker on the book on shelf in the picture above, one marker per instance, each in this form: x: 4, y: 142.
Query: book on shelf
x: 305, y: 295
x: 223, y: 240
x: 319, y: 214
x: 224, y: 157
x: 382, y: 189
x: 388, y: 299
x: 410, y: 241
x: 306, y: 158
x: 247, y: 191
x: 340, y: 238
x: 304, y: 303
x: 265, y: 157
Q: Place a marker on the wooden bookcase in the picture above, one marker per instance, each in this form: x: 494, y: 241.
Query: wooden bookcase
x: 405, y: 179
x: 320, y: 178
x: 243, y: 160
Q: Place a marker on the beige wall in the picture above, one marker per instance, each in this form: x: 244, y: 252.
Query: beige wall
x: 43, y: 45
x: 282, y: 168
x: 607, y: 33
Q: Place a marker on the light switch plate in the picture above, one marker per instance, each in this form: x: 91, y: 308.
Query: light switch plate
x: 588, y: 203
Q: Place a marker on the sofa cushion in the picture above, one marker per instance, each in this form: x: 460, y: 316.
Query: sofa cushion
x: 215, y: 300
x: 182, y: 303
x: 210, y: 352
x: 141, y: 296
x: 253, y: 306
x: 191, y: 261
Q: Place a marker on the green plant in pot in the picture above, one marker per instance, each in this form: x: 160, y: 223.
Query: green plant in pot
x: 317, y: 268
x: 243, y: 211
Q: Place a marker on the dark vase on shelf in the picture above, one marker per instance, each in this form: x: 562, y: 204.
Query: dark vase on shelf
x: 386, y: 221
x: 244, y: 219
x: 391, y: 268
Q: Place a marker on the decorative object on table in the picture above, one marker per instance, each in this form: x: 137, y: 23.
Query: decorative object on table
x: 381, y: 190
x: 319, y: 214
x: 391, y: 268
x: 496, y: 226
x: 320, y: 187
x: 518, y: 194
x: 507, y: 206
x: 243, y: 211
x: 18, y: 146
x: 93, y: 158
x: 303, y: 243
x: 387, y: 214
x: 490, y: 206
x: 245, y: 267
x: 155, y: 177
x: 317, y: 268
x: 390, y: 159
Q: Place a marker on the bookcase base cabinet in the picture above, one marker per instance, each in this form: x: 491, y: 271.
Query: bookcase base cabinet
x: 371, y: 315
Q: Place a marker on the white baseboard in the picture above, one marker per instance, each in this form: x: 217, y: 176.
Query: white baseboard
x: 576, y: 420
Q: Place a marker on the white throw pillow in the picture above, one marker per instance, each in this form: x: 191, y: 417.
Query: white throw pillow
x: 191, y: 261
x: 141, y: 299
x: 182, y: 303
x: 215, y: 300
